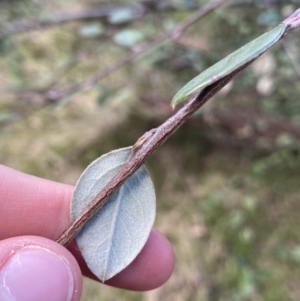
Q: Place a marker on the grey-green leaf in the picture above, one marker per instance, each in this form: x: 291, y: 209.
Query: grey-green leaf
x: 116, y: 234
x: 128, y: 37
x: 121, y: 16
x: 230, y: 63
x: 91, y: 30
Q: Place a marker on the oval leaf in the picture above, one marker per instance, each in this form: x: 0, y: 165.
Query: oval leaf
x: 120, y: 16
x: 91, y: 30
x: 117, y: 233
x: 128, y: 37
x: 230, y: 63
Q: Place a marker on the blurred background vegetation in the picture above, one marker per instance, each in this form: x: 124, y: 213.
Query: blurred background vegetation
x: 80, y: 78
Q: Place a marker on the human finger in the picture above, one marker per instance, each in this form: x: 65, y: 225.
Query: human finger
x: 34, y: 268
x: 34, y: 206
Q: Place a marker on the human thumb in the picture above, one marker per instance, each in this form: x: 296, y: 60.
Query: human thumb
x: 35, y: 268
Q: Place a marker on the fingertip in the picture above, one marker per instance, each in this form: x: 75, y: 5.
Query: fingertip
x: 166, y: 258
x: 34, y: 268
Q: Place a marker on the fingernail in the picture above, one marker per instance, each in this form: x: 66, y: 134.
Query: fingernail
x: 35, y: 274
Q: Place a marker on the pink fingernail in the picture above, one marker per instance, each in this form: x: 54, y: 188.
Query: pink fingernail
x: 35, y: 274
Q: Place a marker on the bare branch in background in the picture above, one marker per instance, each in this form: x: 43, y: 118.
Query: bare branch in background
x: 52, y: 96
x: 137, y: 10
x: 174, y: 34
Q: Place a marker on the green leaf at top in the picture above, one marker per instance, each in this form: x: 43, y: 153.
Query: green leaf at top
x: 230, y: 63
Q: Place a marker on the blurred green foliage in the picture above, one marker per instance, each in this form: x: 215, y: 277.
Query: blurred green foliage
x: 227, y: 182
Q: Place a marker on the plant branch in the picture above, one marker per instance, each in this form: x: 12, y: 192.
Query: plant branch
x: 143, y: 149
x: 150, y: 141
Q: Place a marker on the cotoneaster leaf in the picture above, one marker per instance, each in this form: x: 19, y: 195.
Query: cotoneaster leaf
x: 116, y: 234
x: 230, y: 63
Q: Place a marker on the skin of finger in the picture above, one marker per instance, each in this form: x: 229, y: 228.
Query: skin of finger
x: 30, y: 205
x: 12, y: 245
x: 34, y: 206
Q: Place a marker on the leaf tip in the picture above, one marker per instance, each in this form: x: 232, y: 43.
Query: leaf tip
x: 102, y: 276
x: 176, y: 99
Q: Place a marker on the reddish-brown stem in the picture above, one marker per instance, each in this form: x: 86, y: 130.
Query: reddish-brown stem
x: 141, y: 153
x: 149, y: 142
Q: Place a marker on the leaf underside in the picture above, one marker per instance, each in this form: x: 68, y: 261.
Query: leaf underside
x: 117, y: 233
x: 230, y: 63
